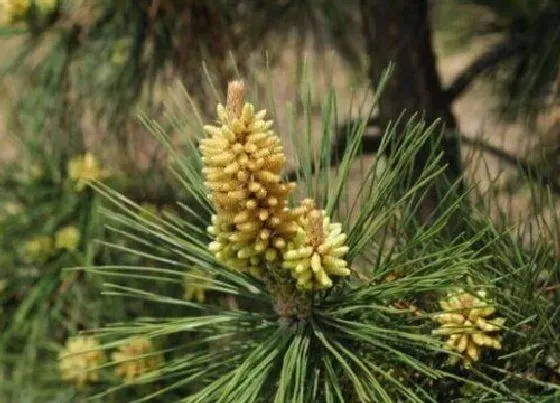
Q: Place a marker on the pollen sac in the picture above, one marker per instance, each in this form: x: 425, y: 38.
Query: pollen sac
x: 195, y: 283
x: 80, y: 360
x: 467, y: 324
x: 136, y: 359
x: 317, y: 252
x: 243, y: 160
x: 84, y: 169
x: 67, y: 238
x: 13, y: 11
x: 37, y: 249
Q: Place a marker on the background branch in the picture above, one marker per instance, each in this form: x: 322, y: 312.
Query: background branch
x: 486, y: 61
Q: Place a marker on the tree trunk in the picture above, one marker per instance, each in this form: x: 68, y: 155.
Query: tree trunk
x: 400, y: 31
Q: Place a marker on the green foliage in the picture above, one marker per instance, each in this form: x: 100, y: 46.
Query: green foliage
x: 49, y: 223
x: 40, y: 303
x: 368, y: 339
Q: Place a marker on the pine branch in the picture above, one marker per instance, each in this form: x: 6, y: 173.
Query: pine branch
x: 485, y: 62
x: 370, y: 145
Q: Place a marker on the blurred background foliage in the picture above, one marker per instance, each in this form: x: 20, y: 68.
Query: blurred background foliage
x: 75, y: 74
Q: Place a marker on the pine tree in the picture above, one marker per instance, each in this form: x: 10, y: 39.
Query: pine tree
x: 257, y: 284
x: 422, y: 315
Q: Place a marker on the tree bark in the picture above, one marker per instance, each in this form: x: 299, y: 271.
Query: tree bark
x: 400, y: 31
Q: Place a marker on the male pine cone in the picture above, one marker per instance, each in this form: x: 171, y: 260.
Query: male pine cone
x: 243, y: 160
x: 253, y: 225
x: 317, y: 252
x: 467, y: 324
